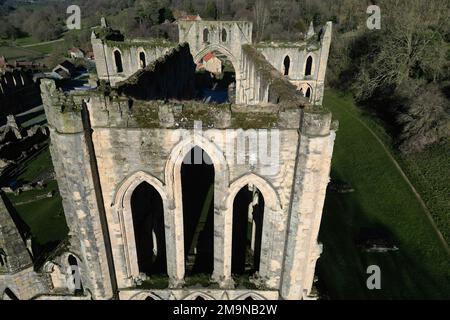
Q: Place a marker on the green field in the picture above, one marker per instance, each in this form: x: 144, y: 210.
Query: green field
x: 382, y: 200
x: 34, y: 50
x: 45, y: 218
x: 10, y: 52
x: 429, y: 171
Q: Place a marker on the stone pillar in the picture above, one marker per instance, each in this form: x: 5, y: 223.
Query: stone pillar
x: 309, y: 187
x: 318, y: 93
x: 175, y: 248
x: 76, y: 181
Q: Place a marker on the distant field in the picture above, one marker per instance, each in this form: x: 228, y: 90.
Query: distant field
x: 20, y: 53
x: 382, y: 200
x: 25, y: 41
x: 33, y: 49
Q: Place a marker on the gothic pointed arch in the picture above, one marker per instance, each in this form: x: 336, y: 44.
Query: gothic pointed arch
x: 309, y: 66
x: 286, y: 65
x: 118, y: 61
x: 146, y: 296
x: 251, y: 296
x: 198, y: 296
x: 173, y: 179
x: 123, y: 206
x: 272, y: 207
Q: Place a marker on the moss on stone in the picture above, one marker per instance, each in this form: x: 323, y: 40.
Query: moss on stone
x: 279, y: 86
x: 249, y: 120
x: 151, y: 44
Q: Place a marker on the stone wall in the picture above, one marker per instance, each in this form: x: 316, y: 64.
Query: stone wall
x: 18, y: 92
x: 169, y: 77
x: 106, y: 142
x: 317, y: 48
x: 71, y: 160
x: 145, y: 143
x: 16, y: 265
x: 262, y: 83
x: 130, y: 51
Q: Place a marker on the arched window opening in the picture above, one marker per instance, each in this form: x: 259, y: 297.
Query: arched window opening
x: 206, y: 35
x: 9, y: 295
x: 308, y: 67
x: 249, y: 298
x: 200, y: 298
x: 148, y: 222
x: 287, y: 65
x: 224, y: 35
x: 118, y: 61
x: 197, y: 179
x: 142, y: 61
x: 149, y: 298
x: 308, y: 93
x: 248, y: 214
x: 75, y: 275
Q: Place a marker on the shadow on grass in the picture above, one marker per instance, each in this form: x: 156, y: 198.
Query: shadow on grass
x: 342, y: 267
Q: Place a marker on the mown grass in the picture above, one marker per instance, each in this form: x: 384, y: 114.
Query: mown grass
x: 10, y: 52
x: 36, y: 166
x: 45, y: 217
x: 429, y: 171
x: 382, y: 200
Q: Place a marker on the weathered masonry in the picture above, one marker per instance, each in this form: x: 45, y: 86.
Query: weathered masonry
x: 162, y: 191
x: 304, y: 63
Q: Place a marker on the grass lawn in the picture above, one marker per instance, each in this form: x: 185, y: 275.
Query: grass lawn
x: 45, y: 48
x: 382, y: 199
x: 25, y: 41
x: 429, y: 171
x: 10, y: 52
x: 45, y: 218
x: 33, y: 167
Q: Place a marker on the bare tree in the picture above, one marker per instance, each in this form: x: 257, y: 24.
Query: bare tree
x: 261, y: 17
x: 411, y: 41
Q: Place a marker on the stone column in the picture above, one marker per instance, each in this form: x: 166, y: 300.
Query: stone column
x: 310, y: 181
x: 175, y: 247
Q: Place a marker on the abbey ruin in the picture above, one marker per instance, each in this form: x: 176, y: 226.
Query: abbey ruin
x: 245, y: 215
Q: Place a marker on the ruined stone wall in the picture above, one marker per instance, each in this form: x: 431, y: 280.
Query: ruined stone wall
x: 262, y: 83
x: 170, y: 77
x: 25, y: 284
x: 224, y: 36
x: 131, y: 141
x: 18, y: 92
x: 192, y: 294
x: 130, y: 52
x: 16, y: 265
x: 317, y: 48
